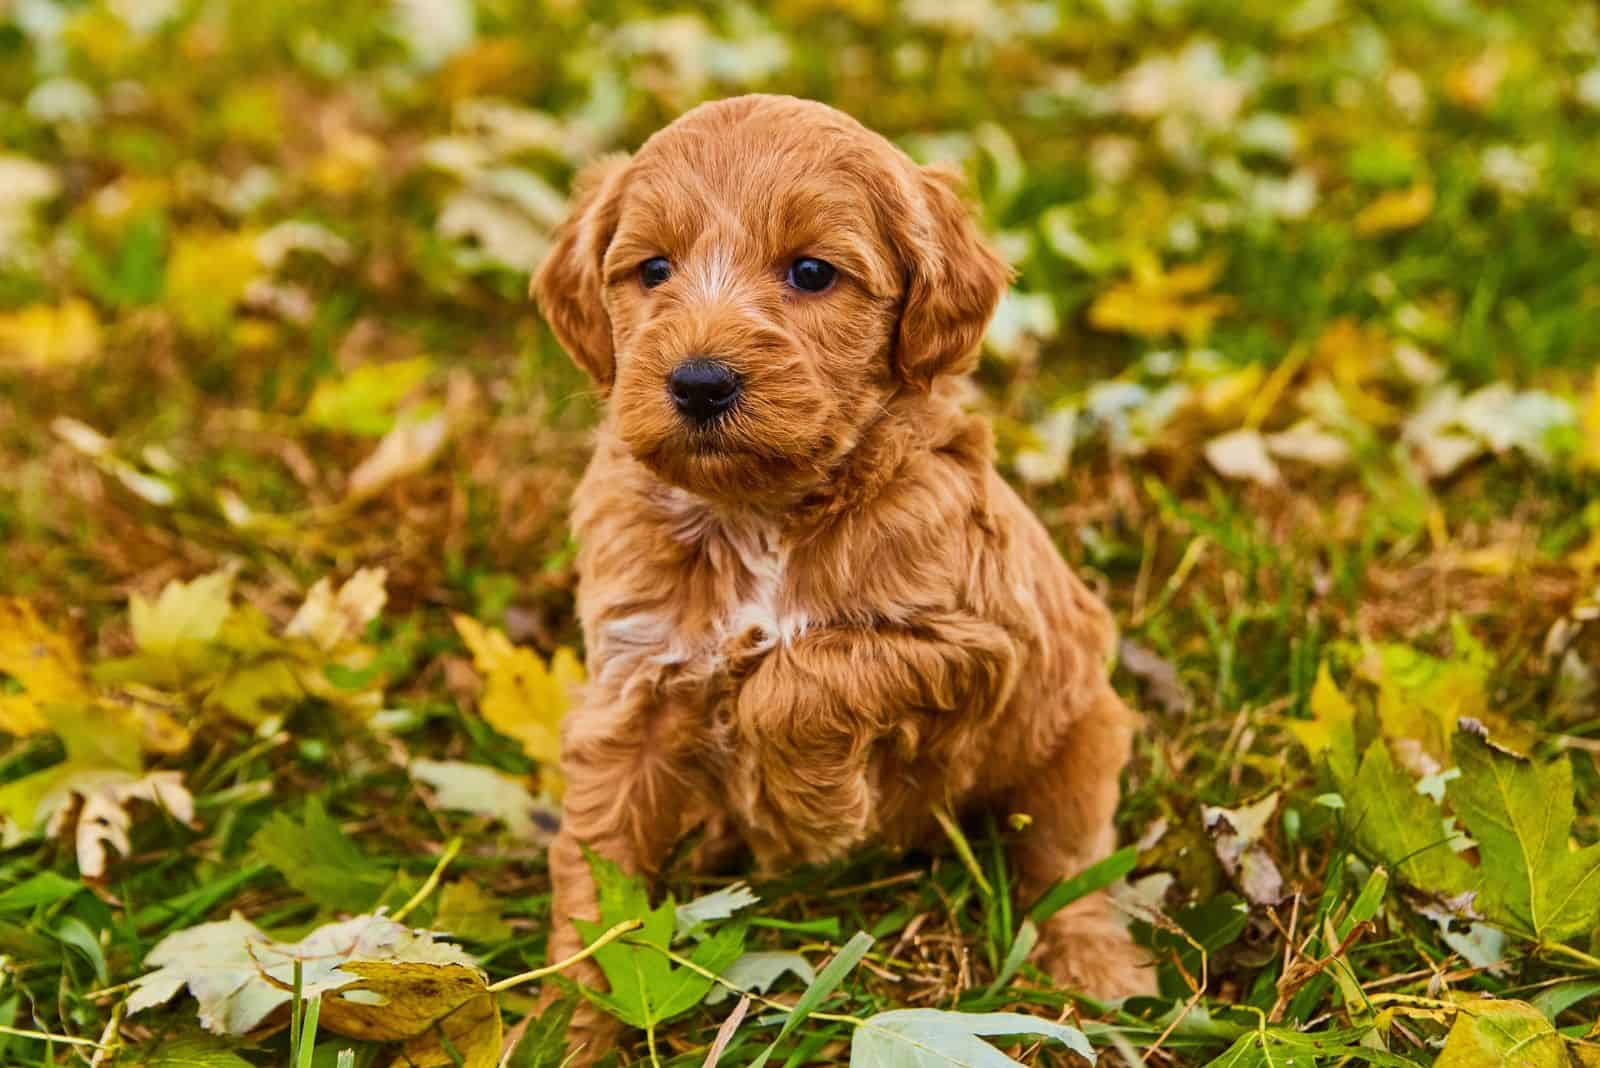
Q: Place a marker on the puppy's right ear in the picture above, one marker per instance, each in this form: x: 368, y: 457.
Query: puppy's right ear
x: 567, y: 284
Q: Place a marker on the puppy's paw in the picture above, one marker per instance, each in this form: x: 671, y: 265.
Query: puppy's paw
x: 1091, y: 952
x: 591, y: 1035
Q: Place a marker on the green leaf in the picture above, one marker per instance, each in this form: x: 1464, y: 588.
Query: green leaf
x: 709, y: 908
x: 364, y: 401
x: 933, y: 1038
x: 1502, y: 1034
x: 828, y: 980
x: 192, y: 1053
x: 1521, y: 814
x: 1275, y: 1048
x: 1094, y: 877
x: 646, y: 988
x: 1555, y: 1000
x: 1394, y: 824
x: 758, y: 971
x: 45, y: 888
x: 319, y: 860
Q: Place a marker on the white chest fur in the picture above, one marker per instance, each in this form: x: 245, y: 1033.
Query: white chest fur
x: 742, y: 601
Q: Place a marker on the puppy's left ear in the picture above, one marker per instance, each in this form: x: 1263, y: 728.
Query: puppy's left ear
x: 567, y: 284
x: 954, y: 281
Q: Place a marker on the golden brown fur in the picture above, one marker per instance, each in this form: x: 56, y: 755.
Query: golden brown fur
x: 815, y: 621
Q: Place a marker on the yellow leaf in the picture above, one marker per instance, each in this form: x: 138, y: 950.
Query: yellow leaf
x: 42, y: 663
x: 329, y: 620
x: 1398, y: 209
x: 1153, y: 303
x: 423, y: 1005
x: 1589, y: 447
x: 364, y: 401
x: 50, y: 335
x: 206, y: 276
x: 1332, y: 729
x: 524, y: 697
x: 184, y: 612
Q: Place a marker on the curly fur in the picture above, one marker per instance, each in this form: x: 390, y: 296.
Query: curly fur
x: 815, y: 622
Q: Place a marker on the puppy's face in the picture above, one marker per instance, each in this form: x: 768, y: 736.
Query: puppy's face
x: 755, y: 283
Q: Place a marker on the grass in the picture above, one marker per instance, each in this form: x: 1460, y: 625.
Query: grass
x: 1394, y: 200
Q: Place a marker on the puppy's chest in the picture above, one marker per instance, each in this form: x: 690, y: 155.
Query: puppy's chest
x: 729, y: 600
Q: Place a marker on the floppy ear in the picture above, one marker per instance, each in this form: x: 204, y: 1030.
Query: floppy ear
x: 953, y: 282
x: 567, y: 284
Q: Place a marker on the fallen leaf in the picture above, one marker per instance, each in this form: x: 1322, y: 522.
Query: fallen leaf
x: 1497, y: 1033
x: 1521, y: 813
x: 709, y: 908
x: 1394, y: 823
x: 318, y: 859
x: 1159, y: 676
x: 41, y: 663
x: 1237, y: 835
x: 1398, y: 209
x: 239, y: 976
x: 1155, y: 303
x: 364, y: 401
x: 935, y: 1038
x: 207, y: 275
x: 759, y: 971
x: 183, y: 613
x: 408, y: 449
x: 329, y: 619
x: 486, y: 792
x: 1307, y: 442
x: 103, y: 818
x: 524, y: 698
x: 1242, y: 454
x: 47, y: 336
x: 467, y: 911
x: 1331, y: 731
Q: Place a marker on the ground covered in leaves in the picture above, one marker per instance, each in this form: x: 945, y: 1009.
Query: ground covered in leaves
x: 1300, y: 370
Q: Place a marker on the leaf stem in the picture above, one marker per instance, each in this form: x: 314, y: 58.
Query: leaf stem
x: 44, y: 1036
x: 777, y: 1006
x: 432, y: 881
x: 583, y: 954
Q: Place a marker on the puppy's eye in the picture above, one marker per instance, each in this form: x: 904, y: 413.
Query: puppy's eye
x: 654, y: 271
x: 811, y: 275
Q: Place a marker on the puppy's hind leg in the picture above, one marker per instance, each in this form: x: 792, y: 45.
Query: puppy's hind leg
x: 1072, y: 802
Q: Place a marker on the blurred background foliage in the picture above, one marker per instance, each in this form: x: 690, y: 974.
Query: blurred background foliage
x: 1300, y: 368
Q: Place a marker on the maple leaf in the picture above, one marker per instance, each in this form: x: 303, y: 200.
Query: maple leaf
x: 46, y: 335
x: 183, y: 613
x: 1156, y: 303
x: 524, y: 698
x: 407, y: 983
x: 485, y: 791
x: 1404, y: 828
x: 364, y: 401
x: 328, y: 619
x: 1521, y: 813
x: 103, y: 818
x: 1331, y: 731
x: 40, y: 662
x: 1399, y: 209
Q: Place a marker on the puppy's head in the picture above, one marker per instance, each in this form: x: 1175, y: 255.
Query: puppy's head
x: 756, y: 282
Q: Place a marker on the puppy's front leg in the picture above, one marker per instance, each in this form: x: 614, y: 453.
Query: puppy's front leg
x: 1071, y: 805
x: 815, y: 713
x: 630, y: 784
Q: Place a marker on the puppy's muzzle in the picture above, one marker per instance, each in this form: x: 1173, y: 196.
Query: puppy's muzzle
x: 703, y: 389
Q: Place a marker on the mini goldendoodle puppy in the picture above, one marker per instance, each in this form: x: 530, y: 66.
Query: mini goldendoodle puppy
x: 814, y: 613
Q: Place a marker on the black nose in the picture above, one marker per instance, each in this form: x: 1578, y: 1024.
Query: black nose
x: 703, y: 389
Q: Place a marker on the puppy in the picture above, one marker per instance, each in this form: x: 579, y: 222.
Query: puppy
x: 814, y: 614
